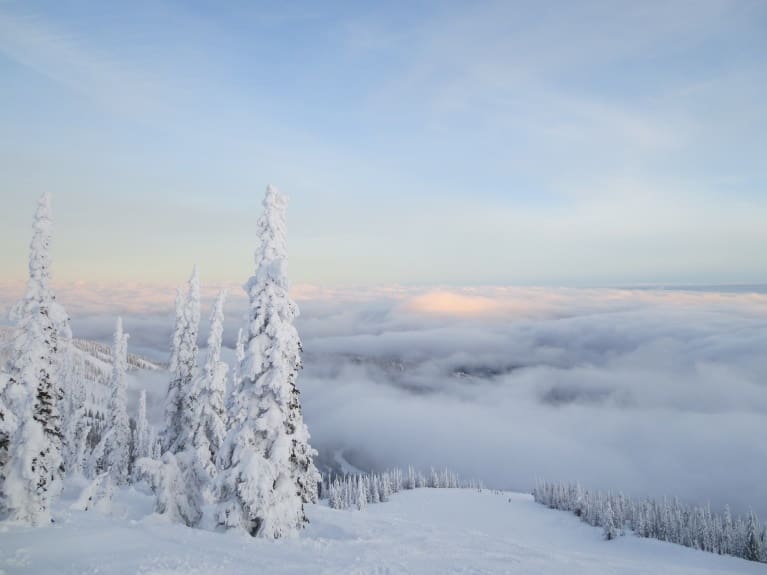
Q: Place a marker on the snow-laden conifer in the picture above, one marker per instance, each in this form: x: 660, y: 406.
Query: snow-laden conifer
x: 8, y: 424
x: 752, y: 549
x: 211, y: 393
x: 31, y: 430
x: 362, y: 495
x: 143, y: 431
x: 75, y: 422
x: 235, y: 409
x: 609, y: 526
x: 266, y: 463
x: 177, y: 495
x: 117, y: 439
x: 181, y: 404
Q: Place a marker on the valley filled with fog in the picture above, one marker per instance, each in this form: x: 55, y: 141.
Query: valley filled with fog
x: 649, y: 391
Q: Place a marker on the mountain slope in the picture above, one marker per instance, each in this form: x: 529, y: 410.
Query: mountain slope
x: 91, y: 357
x: 421, y: 531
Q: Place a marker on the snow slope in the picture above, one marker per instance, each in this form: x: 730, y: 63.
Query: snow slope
x: 422, y: 531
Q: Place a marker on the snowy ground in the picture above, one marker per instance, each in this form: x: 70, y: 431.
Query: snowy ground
x: 423, y: 531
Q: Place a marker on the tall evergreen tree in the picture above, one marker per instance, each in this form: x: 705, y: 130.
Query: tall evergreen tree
x: 30, y: 434
x: 266, y: 463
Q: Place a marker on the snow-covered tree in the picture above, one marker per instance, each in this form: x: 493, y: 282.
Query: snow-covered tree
x: 609, y: 526
x: 752, y: 549
x: 362, y: 496
x: 181, y: 404
x: 75, y: 420
x: 182, y: 480
x: 386, y: 488
x: 31, y: 433
x: 266, y: 463
x: 8, y: 424
x: 727, y: 546
x: 174, y: 486
x: 117, y: 439
x: 211, y: 393
x: 143, y: 431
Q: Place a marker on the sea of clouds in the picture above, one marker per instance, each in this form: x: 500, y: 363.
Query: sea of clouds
x: 649, y: 391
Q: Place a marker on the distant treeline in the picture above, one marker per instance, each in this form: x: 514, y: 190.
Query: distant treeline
x: 352, y: 491
x: 666, y: 520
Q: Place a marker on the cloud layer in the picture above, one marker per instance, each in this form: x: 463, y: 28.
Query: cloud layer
x: 641, y: 390
x: 649, y: 391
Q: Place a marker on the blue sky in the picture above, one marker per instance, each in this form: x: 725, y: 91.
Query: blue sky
x: 432, y: 143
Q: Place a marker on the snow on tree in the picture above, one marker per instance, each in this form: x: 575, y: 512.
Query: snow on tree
x: 180, y: 403
x: 117, y: 439
x: 173, y: 399
x: 362, y: 496
x: 609, y: 527
x: 752, y: 549
x: 143, y: 431
x: 267, y: 472
x: 31, y: 432
x: 173, y: 485
x: 374, y: 495
x: 727, y: 546
x: 181, y: 478
x: 386, y: 488
x: 411, y: 479
x: 8, y: 424
x: 75, y: 422
x: 235, y: 410
x: 193, y: 465
x: 211, y: 393
x: 97, y: 494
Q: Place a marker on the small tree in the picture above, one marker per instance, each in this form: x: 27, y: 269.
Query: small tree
x: 362, y: 495
x: 76, y: 424
x: 609, y: 526
x: 177, y: 496
x: 753, y: 546
x: 235, y: 411
x: 143, y: 431
x: 117, y: 439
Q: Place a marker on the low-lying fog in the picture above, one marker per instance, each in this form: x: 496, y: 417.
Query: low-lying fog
x: 660, y: 392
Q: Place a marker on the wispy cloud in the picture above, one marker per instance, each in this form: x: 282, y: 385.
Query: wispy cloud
x: 41, y: 45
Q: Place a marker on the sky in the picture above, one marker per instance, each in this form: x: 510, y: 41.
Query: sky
x: 477, y: 192
x: 429, y: 143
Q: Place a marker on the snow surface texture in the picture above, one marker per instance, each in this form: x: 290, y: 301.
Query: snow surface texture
x: 422, y: 531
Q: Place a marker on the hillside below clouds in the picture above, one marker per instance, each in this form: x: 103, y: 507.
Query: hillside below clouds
x: 93, y: 354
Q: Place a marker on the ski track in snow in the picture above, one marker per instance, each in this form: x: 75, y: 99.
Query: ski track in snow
x: 425, y: 531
